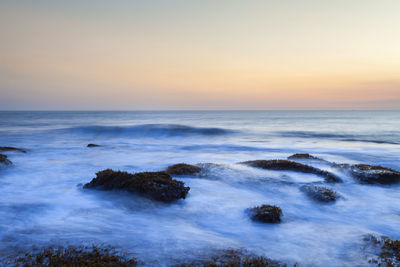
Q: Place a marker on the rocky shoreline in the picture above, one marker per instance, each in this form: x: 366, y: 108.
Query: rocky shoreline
x: 161, y: 186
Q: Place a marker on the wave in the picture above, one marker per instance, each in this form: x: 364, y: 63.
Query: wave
x: 146, y: 130
x: 341, y: 137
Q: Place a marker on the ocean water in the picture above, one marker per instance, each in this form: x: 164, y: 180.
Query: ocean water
x: 42, y: 201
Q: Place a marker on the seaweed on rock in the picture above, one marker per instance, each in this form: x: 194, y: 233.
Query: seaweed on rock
x: 72, y: 257
x: 265, y: 213
x: 183, y: 169
x: 156, y: 185
x: 371, y: 174
x: 319, y: 193
x: 390, y: 253
x: 287, y: 165
x: 235, y: 258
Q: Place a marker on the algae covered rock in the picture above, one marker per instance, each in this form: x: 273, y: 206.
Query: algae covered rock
x: 265, y: 213
x: 9, y: 148
x: 71, y: 257
x: 4, y: 160
x: 183, y: 169
x: 235, y: 258
x: 287, y: 165
x: 371, y: 174
x: 156, y: 185
x: 390, y: 254
x: 319, y: 193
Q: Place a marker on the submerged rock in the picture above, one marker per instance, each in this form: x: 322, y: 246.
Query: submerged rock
x: 156, y: 185
x: 183, y: 169
x: 370, y: 174
x: 265, y: 213
x: 93, y: 145
x: 319, y: 193
x: 287, y: 165
x: 9, y: 148
x: 4, y: 160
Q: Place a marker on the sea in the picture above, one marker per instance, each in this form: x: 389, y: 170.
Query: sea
x: 43, y: 203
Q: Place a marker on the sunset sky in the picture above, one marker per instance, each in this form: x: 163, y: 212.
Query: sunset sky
x: 208, y: 54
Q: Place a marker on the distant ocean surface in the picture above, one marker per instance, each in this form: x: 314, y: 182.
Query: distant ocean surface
x: 42, y: 201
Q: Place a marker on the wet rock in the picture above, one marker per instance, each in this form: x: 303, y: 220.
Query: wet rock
x: 265, y: 213
x: 93, y: 145
x: 234, y: 258
x: 319, y: 193
x: 390, y: 254
x: 370, y: 174
x: 306, y: 156
x: 183, y: 169
x: 287, y: 165
x: 4, y: 160
x: 156, y: 185
x: 9, y: 148
x: 71, y: 256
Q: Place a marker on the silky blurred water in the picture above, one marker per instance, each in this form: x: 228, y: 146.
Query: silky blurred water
x: 42, y: 202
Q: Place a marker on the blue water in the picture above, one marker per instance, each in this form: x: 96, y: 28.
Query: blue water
x: 42, y: 202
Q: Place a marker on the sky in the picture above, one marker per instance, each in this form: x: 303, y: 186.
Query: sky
x: 208, y: 54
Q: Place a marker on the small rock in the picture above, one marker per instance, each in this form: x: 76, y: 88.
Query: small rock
x: 371, y: 174
x: 287, y: 165
x: 183, y: 169
x: 265, y: 213
x: 319, y: 193
x: 4, y: 160
x: 93, y: 145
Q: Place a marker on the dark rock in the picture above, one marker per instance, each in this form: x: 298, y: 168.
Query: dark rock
x: 265, y: 213
x: 9, y: 148
x: 390, y: 254
x: 305, y: 156
x: 287, y: 165
x: 234, y: 258
x: 156, y: 185
x: 183, y: 169
x: 370, y: 174
x: 4, y: 160
x: 319, y: 193
x: 93, y: 145
x: 72, y: 257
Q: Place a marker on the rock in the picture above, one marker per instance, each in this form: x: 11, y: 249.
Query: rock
x: 305, y: 156
x: 234, y: 258
x: 156, y: 185
x: 390, y: 254
x: 265, y: 213
x: 93, y: 145
x: 370, y: 174
x: 287, y: 165
x: 70, y: 256
x: 9, y: 148
x: 4, y: 160
x: 183, y: 169
x: 319, y: 193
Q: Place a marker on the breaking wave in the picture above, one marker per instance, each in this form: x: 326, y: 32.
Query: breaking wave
x: 146, y: 130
